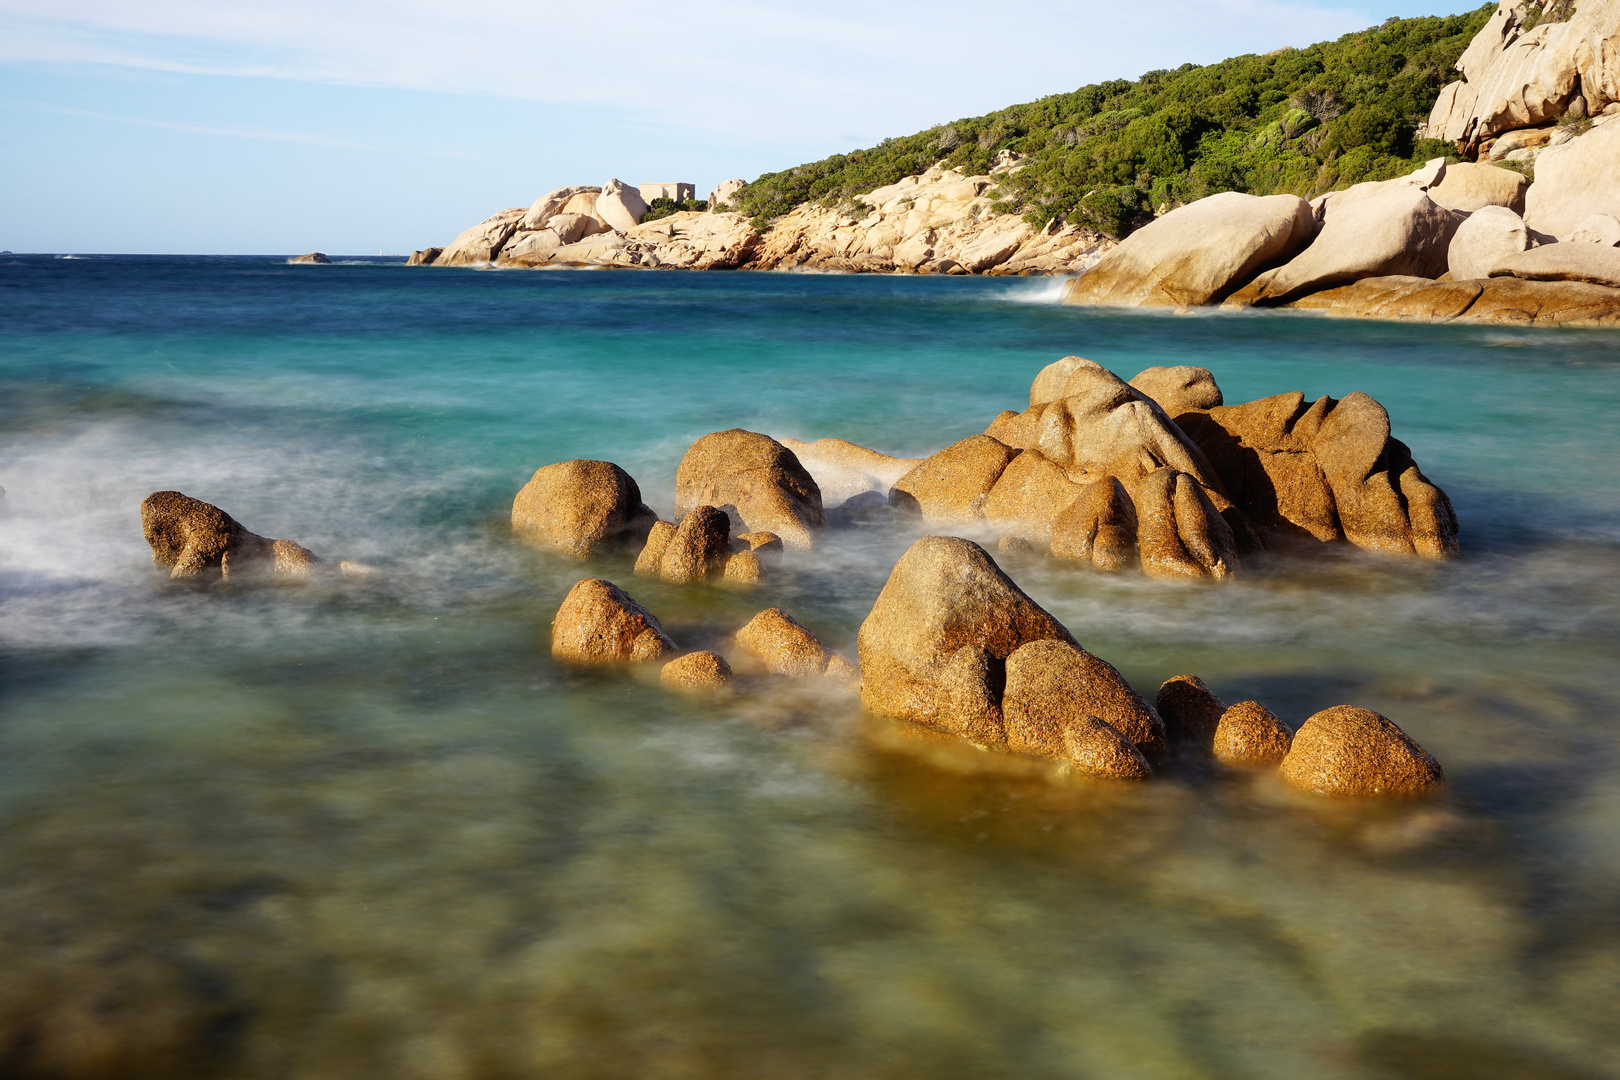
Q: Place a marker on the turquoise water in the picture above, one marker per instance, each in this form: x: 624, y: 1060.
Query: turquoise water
x: 369, y: 828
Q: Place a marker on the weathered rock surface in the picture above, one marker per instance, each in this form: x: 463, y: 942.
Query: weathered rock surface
x: 763, y: 544
x: 1050, y: 381
x: 424, y: 256
x: 598, y: 623
x: 1198, y: 253
x: 1326, y: 469
x: 1490, y: 235
x: 314, y: 258
x: 620, y: 205
x: 1515, y: 77
x: 934, y: 647
x: 1095, y: 748
x: 1601, y: 229
x: 551, y: 204
x: 698, y: 549
x: 1052, y: 683
x: 651, y: 560
x: 744, y: 568
x: 784, y: 645
x: 725, y: 193
x: 1028, y: 496
x: 1576, y: 180
x: 758, y: 478
x: 1250, y: 734
x: 1099, y: 527
x: 1468, y: 187
x: 1190, y: 710
x: 1394, y: 229
x: 843, y: 470
x: 697, y: 673
x: 1177, y: 389
x: 484, y: 241
x: 189, y: 538
x: 952, y: 485
x: 1592, y: 263
x: 581, y: 508
x: 1349, y: 751
x: 1179, y: 532
x: 1493, y: 300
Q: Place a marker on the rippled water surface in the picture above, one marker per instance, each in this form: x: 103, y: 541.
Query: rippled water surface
x: 370, y: 829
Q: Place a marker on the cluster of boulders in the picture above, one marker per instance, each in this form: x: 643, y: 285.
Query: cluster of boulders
x: 1157, y: 471
x: 1474, y: 241
x: 937, y: 222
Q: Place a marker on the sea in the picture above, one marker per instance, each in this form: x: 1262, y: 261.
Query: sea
x: 366, y: 827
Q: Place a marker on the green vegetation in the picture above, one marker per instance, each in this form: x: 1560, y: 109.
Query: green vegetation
x: 1297, y: 120
x: 662, y: 208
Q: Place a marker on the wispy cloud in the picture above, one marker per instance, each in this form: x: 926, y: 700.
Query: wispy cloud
x: 198, y: 129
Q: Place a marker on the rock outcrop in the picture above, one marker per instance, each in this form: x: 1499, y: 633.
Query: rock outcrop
x: 581, y: 508
x: 482, y: 242
x: 1468, y: 186
x: 757, y: 480
x: 1177, y: 389
x: 1349, y: 751
x: 936, y: 651
x: 1491, y: 234
x: 1198, y: 253
x: 1577, y: 179
x: 1592, y: 263
x: 314, y: 258
x: 1505, y: 300
x: 620, y: 206
x: 698, y: 549
x: 1514, y: 77
x: 598, y: 623
x: 191, y: 538
x: 952, y: 485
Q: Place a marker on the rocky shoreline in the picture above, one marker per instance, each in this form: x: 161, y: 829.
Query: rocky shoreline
x: 1156, y: 473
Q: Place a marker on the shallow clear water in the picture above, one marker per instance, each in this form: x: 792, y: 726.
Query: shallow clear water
x: 371, y: 829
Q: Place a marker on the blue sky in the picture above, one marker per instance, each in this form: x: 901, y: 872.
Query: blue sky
x: 359, y: 126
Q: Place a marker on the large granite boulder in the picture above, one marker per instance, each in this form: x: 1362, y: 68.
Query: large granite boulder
x: 1467, y: 187
x: 952, y: 485
x: 1049, y: 382
x: 1516, y: 76
x: 1031, y: 492
x: 1179, y: 532
x: 783, y: 644
x: 1328, y: 469
x: 1601, y: 229
x: 725, y: 193
x: 1177, y: 389
x: 757, y: 480
x: 1577, y: 179
x: 1349, y: 751
x: 1250, y: 734
x: 620, y: 205
x: 1563, y: 262
x: 598, y: 623
x: 1098, y: 527
x: 1393, y: 228
x: 1198, y: 253
x: 1190, y: 710
x: 1051, y: 684
x: 698, y: 549
x: 530, y: 248
x: 549, y: 205
x: 191, y: 538
x: 483, y: 242
x: 581, y: 508
x: 1490, y: 235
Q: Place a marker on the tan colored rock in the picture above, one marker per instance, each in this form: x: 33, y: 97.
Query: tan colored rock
x: 1349, y: 751
x: 763, y: 544
x: 1053, y: 683
x: 1600, y: 229
x: 699, y: 548
x: 952, y: 485
x: 572, y: 228
x: 744, y: 568
x: 620, y: 205
x: 1250, y: 734
x: 1396, y: 229
x: 651, y: 560
x: 598, y: 623
x: 531, y: 248
x: 424, y: 256
x: 843, y: 470
x: 1563, y: 262
x: 1198, y: 253
x: 1576, y: 180
x: 785, y: 646
x: 1488, y: 236
x: 483, y: 242
x: 1469, y: 187
x: 1190, y: 710
x: 1028, y: 496
x: 697, y: 673
x: 1179, y: 533
x: 1177, y: 389
x: 840, y: 670
x: 581, y: 508
x: 1514, y: 301
x: 189, y: 538
x: 314, y: 258
x: 725, y: 194
x: 1096, y: 749
x: 1099, y: 527
x: 1050, y: 380
x: 1506, y: 147
x: 944, y: 622
x: 756, y: 476
x: 549, y: 205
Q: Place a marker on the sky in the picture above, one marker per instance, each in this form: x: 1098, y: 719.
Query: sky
x: 365, y: 126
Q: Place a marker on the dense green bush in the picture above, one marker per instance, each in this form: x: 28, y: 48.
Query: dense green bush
x: 663, y: 208
x: 1108, y: 155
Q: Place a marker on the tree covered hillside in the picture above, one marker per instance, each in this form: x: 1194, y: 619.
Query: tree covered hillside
x: 1296, y: 120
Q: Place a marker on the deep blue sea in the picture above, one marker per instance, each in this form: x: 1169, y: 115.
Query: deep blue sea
x: 368, y: 828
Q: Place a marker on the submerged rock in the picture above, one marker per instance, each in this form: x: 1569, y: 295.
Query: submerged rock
x: 581, y: 508
x: 844, y: 471
x: 314, y: 258
x: 1053, y: 684
x: 189, y: 538
x: 697, y: 672
x: 1094, y: 747
x: 598, y: 623
x: 651, y: 560
x: 784, y: 645
x: 1191, y: 711
x: 758, y: 478
x: 744, y: 568
x: 1349, y: 751
x: 1250, y: 734
x: 698, y: 549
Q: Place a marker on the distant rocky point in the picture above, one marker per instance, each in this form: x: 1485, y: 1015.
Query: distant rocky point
x: 314, y: 258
